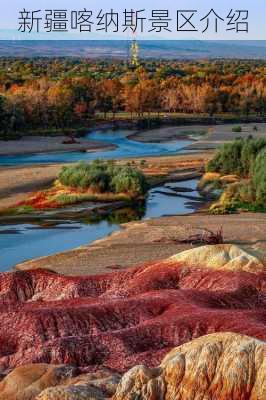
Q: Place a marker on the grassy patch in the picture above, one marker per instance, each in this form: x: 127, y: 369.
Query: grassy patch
x: 193, y: 133
x: 19, y: 210
x: 64, y: 199
x: 237, y: 129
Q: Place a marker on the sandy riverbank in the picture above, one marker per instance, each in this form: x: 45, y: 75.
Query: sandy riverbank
x: 16, y: 183
x: 49, y: 144
x: 152, y: 240
x: 214, y: 135
x: 148, y: 240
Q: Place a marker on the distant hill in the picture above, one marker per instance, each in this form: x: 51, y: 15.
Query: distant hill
x: 167, y: 49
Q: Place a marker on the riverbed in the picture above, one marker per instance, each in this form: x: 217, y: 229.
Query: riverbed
x: 29, y: 239
x: 23, y: 241
x: 124, y: 148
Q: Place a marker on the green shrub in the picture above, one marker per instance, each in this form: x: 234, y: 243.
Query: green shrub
x: 246, y: 193
x: 237, y: 129
x: 247, y: 158
x: 84, y: 176
x: 259, y: 178
x: 250, y: 149
x: 20, y: 210
x: 104, y: 177
x: 129, y: 180
x: 237, y: 157
x: 227, y: 160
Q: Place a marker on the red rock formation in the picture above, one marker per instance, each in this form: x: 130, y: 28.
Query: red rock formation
x: 223, y: 366
x: 124, y: 318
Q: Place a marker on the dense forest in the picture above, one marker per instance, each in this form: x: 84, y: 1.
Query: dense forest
x: 66, y: 92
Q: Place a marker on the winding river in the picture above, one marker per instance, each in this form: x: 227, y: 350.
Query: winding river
x: 125, y: 148
x: 31, y: 239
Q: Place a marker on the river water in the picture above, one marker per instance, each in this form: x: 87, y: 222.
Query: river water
x: 24, y: 241
x: 125, y: 148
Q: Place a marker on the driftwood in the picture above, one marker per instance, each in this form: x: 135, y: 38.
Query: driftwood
x: 184, y: 196
x: 205, y: 237
x: 180, y: 189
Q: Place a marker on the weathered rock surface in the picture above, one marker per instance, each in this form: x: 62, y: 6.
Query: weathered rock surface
x: 225, y: 256
x: 224, y: 366
x: 26, y: 382
x: 134, y: 316
x: 98, y: 386
x: 219, y: 366
x: 51, y: 382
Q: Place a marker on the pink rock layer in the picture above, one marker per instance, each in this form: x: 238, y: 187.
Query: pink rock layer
x: 124, y: 318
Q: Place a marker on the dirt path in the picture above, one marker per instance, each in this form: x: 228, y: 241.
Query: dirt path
x: 152, y: 240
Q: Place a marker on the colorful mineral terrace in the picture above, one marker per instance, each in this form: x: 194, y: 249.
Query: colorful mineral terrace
x: 104, y: 325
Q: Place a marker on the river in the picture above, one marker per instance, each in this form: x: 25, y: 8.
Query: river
x: 126, y: 148
x: 24, y: 241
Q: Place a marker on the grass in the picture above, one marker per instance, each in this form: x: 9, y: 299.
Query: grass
x: 64, y: 199
x: 193, y: 133
x: 19, y: 210
x: 237, y: 129
x: 51, y: 199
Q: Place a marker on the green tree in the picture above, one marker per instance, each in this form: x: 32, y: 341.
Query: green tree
x: 259, y: 178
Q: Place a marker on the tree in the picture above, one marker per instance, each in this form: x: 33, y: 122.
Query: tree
x: 211, y: 103
x: 259, y: 178
x: 60, y: 100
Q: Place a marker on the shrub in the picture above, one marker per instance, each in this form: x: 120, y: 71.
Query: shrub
x: 207, y: 179
x: 237, y: 129
x: 84, y: 176
x: 103, y: 177
x: 222, y: 209
x: 250, y: 150
x: 129, y: 180
x: 259, y: 178
x: 247, y: 158
x: 227, y: 160
x: 237, y: 157
x: 246, y: 193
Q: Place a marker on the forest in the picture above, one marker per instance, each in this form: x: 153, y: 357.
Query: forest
x: 44, y: 93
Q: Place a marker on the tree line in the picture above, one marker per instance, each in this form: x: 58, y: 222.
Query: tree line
x: 62, y: 93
